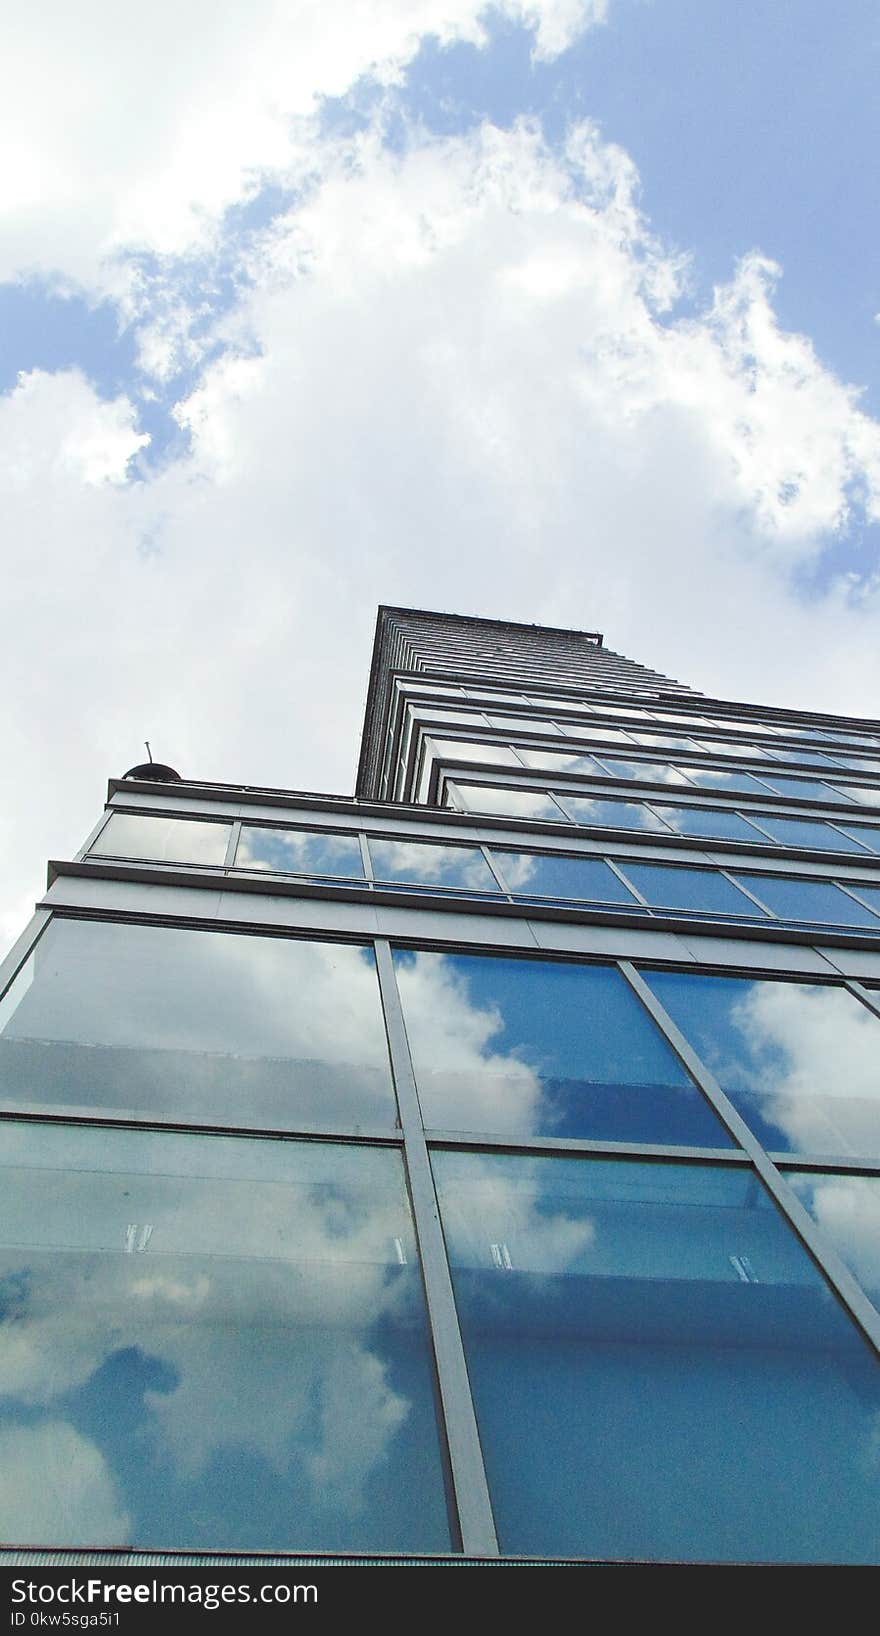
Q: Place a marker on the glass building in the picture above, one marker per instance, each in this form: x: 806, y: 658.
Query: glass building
x: 486, y: 1165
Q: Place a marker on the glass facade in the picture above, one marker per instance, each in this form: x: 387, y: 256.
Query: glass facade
x: 486, y: 1164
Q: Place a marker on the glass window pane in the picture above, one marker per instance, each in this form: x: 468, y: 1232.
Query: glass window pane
x: 804, y: 789
x: 801, y: 1062
x: 809, y: 832
x: 544, y: 1048
x: 523, y: 724
x: 865, y: 834
x: 715, y: 779
x: 459, y: 749
x: 432, y: 865
x: 299, y: 852
x: 213, y: 1341
x: 507, y: 803
x: 847, y: 1208
x: 705, y: 889
x: 666, y: 741
x: 870, y: 894
x: 555, y: 875
x: 167, y: 840
x: 708, y: 821
x: 588, y: 809
x: 867, y: 795
x: 658, y: 1368
x: 654, y: 772
x: 159, y: 1022
x: 810, y: 900
x: 557, y: 761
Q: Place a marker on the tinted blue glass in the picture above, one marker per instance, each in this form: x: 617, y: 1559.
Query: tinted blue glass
x: 705, y: 889
x: 654, y: 772
x: 810, y: 900
x: 864, y: 834
x: 558, y: 761
x: 804, y: 789
x: 547, y: 1048
x: 708, y: 821
x: 713, y: 778
x: 588, y: 809
x: 658, y: 1369
x: 847, y: 1208
x: 870, y: 894
x: 462, y: 866
x: 301, y: 851
x: 213, y: 1341
x: 801, y: 1062
x: 159, y: 1022
x: 507, y: 803
x: 809, y: 832
x: 541, y: 874
x: 809, y: 758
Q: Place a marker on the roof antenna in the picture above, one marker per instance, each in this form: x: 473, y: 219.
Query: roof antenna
x: 149, y: 751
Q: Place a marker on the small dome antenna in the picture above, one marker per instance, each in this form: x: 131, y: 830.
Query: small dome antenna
x: 155, y: 772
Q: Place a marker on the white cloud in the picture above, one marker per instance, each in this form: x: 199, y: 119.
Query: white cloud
x: 466, y: 387
x: 55, y: 1485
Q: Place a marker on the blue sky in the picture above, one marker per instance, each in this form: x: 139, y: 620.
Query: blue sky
x: 566, y: 310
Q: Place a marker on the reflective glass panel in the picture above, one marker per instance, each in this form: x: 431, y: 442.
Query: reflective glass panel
x: 507, y: 803
x: 655, y: 772
x: 869, y: 894
x: 810, y: 900
x: 666, y: 741
x: 459, y: 749
x: 865, y: 834
x: 867, y: 795
x: 555, y: 875
x: 159, y: 1022
x: 809, y: 758
x: 544, y: 1048
x: 168, y: 840
x: 211, y: 1341
x: 803, y: 789
x: 659, y: 1370
x: 523, y: 724
x: 432, y: 865
x: 715, y: 779
x: 559, y: 761
x: 800, y: 1061
x: 299, y: 852
x: 708, y: 821
x: 705, y: 889
x: 587, y: 809
x: 809, y: 832
x: 847, y: 1208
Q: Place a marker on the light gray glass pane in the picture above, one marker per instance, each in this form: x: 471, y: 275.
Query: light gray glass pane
x: 659, y: 1371
x: 857, y: 765
x: 207, y: 1026
x: 713, y: 778
x: 666, y: 741
x: 708, y: 821
x: 462, y: 866
x: 809, y: 758
x: 803, y: 789
x: 810, y: 832
x: 847, y: 1208
x: 466, y: 718
x: 523, y: 724
x: 655, y: 772
x: 801, y: 1062
x: 867, y: 795
x: 701, y: 889
x: 554, y: 875
x: 299, y: 852
x: 213, y: 1343
x: 544, y: 1048
x: 559, y: 761
x: 809, y: 900
x: 169, y: 840
x: 509, y: 803
x: 866, y: 834
x: 457, y: 749
x: 587, y: 809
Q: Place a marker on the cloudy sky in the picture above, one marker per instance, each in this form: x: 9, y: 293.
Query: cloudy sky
x: 560, y: 310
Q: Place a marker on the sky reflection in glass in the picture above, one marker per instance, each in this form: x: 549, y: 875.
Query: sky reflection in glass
x: 800, y: 1061
x: 698, y: 889
x: 659, y: 1370
x: 847, y: 1208
x: 809, y: 900
x: 300, y: 852
x: 216, y: 1027
x: 165, y: 840
x: 432, y: 865
x: 544, y: 1048
x: 211, y: 1342
x: 555, y: 875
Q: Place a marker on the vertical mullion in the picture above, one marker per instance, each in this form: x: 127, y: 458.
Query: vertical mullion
x: 232, y: 843
x: 366, y: 859
x: 822, y: 1252
x: 470, y: 1487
